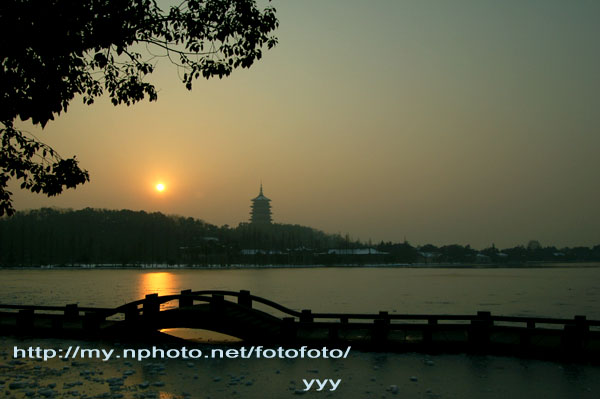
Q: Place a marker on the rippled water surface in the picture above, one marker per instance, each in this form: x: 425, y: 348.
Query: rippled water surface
x: 557, y: 292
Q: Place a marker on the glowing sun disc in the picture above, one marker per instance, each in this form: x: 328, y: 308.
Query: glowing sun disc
x: 160, y: 187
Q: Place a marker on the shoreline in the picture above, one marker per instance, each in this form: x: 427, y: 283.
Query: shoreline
x: 526, y: 265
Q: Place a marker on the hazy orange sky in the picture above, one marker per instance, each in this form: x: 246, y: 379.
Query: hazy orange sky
x: 471, y: 122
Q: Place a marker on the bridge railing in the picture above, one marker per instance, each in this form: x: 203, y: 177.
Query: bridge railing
x: 151, y: 305
x: 245, y: 298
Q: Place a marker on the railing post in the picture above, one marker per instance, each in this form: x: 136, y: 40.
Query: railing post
x: 150, y: 307
x: 71, y: 311
x: 432, y: 324
x: 479, y: 334
x: 575, y: 335
x: 581, y: 324
x: 526, y: 335
x: 380, y: 330
x: 217, y: 302
x: 530, y: 324
x: 485, y: 318
x: 186, y: 299
x: 25, y: 319
x: 306, y: 316
x: 385, y: 317
x: 244, y: 299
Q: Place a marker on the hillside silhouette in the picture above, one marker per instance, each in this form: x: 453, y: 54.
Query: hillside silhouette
x: 59, y: 237
x: 50, y: 236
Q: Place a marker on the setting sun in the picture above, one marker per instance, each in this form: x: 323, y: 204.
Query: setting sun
x: 160, y: 187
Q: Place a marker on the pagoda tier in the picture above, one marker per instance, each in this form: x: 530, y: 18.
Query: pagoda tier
x: 261, y: 209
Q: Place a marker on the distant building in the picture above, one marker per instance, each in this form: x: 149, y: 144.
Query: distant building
x: 260, y: 252
x: 261, y: 209
x: 357, y: 251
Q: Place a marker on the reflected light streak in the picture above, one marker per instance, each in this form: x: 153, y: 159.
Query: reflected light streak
x: 161, y: 283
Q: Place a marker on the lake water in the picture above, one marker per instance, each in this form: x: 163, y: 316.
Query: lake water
x: 555, y: 292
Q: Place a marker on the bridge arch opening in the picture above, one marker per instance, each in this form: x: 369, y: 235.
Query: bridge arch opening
x: 200, y: 335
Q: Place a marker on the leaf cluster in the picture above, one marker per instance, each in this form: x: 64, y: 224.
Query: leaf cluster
x: 37, y: 165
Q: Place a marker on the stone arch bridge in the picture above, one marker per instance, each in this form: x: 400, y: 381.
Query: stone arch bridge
x: 258, y: 320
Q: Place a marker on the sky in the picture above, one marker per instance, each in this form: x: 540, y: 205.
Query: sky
x: 469, y: 122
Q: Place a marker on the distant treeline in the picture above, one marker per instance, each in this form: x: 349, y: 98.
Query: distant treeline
x: 99, y: 236
x: 129, y: 238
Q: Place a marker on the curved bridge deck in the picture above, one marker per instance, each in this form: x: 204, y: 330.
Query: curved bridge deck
x: 236, y: 314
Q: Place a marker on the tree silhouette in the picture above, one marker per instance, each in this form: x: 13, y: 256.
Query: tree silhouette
x: 54, y: 50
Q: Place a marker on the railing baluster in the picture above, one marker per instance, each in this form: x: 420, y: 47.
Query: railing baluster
x: 244, y: 299
x: 306, y: 316
x: 151, y: 307
x: 385, y: 316
x: 217, y: 302
x: 186, y: 299
x: 479, y: 333
x: 71, y: 311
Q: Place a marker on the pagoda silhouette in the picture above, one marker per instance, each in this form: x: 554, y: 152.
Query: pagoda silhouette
x: 261, y: 209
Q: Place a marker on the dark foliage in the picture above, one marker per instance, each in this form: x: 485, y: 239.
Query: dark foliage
x: 399, y: 252
x: 93, y: 236
x: 127, y: 238
x: 54, y: 50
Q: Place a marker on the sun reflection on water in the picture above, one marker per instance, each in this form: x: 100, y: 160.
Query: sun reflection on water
x: 161, y: 283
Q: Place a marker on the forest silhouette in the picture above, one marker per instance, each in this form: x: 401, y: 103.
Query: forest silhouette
x: 128, y: 238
